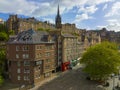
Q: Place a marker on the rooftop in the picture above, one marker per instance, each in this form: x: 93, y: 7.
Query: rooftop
x: 31, y: 37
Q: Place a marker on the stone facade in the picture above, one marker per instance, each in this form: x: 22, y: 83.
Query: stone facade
x: 71, y: 50
x: 31, y: 57
x: 20, y: 24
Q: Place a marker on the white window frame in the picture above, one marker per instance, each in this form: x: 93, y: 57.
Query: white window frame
x: 17, y: 56
x: 26, y: 78
x: 25, y: 56
x: 18, y: 77
x: 25, y: 48
x: 18, y: 70
x: 17, y: 48
x: 26, y: 70
x: 26, y: 63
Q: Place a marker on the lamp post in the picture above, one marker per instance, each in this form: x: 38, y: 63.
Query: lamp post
x: 113, y: 81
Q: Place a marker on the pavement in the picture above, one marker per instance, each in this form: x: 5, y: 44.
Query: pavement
x: 54, y: 76
x: 74, y: 79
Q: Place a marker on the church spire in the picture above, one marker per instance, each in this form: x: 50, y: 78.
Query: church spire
x: 58, y: 11
x: 58, y: 19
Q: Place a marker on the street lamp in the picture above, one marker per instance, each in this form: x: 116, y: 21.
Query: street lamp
x: 113, y: 81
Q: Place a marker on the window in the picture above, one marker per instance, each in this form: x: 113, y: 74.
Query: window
x: 25, y: 48
x: 25, y: 56
x: 38, y: 47
x: 48, y: 60
x: 18, y: 64
x: 47, y: 74
x: 38, y: 62
x: 26, y: 63
x: 18, y: 70
x: 17, y: 56
x: 38, y: 55
x: 18, y: 77
x: 26, y: 78
x: 26, y: 70
x: 47, y: 53
x: 17, y: 48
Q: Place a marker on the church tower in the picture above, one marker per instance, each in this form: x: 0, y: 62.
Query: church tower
x: 58, y: 24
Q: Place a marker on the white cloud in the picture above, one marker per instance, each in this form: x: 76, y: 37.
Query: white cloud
x: 17, y: 6
x: 81, y: 17
x: 37, y: 9
x: 115, y: 10
x: 105, y: 7
x: 113, y: 24
x: 96, y: 2
x: 89, y: 9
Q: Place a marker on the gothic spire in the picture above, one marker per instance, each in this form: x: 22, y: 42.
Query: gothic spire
x: 58, y: 19
x: 58, y: 11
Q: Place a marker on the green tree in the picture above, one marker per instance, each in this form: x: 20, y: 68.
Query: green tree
x: 3, y: 36
x: 101, y: 60
x: 2, y: 60
x: 3, y: 28
x: 40, y: 29
x: 11, y: 32
x: 2, y: 65
x: 1, y: 80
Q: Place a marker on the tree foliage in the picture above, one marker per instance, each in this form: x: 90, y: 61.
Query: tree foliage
x: 2, y: 60
x: 11, y: 32
x: 3, y: 36
x: 101, y: 60
x: 1, y: 80
x: 42, y: 29
x: 2, y: 65
x: 3, y: 28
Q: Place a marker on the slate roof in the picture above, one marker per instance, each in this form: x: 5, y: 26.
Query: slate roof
x: 32, y: 37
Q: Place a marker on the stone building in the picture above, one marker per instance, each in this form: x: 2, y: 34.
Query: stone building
x: 20, y: 24
x: 71, y: 50
x: 110, y: 36
x: 90, y: 38
x: 31, y: 57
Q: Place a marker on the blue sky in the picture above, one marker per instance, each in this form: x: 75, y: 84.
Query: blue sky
x: 86, y: 14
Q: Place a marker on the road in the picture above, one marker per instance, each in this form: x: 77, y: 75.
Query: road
x: 71, y: 80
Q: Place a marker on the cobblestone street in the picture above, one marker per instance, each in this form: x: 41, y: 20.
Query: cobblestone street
x: 71, y: 80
